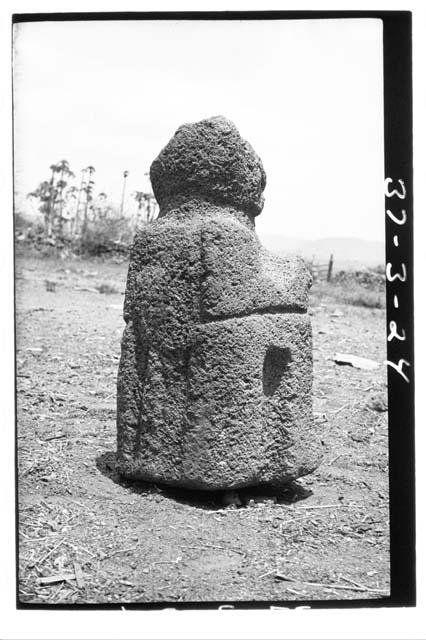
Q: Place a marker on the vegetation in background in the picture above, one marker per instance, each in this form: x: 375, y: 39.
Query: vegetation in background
x: 76, y: 217
x: 372, y: 295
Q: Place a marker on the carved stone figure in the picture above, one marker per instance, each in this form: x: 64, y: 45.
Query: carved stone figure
x: 215, y: 377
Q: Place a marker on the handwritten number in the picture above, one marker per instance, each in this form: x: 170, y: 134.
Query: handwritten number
x: 393, y: 328
x: 398, y: 367
x: 393, y: 217
x: 401, y: 193
x: 395, y: 192
x: 396, y: 276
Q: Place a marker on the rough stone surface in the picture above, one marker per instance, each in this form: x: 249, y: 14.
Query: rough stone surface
x: 215, y: 377
x: 210, y: 158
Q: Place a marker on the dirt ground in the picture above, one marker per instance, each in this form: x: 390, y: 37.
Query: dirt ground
x: 87, y: 536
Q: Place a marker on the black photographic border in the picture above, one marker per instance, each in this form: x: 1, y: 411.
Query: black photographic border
x: 398, y: 213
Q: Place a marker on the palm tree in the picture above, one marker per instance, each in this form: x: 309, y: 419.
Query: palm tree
x: 44, y: 193
x: 140, y: 199
x: 125, y: 174
x: 63, y: 169
x: 146, y: 201
x: 151, y: 202
x: 71, y: 193
x: 88, y: 189
x: 55, y: 168
x: 80, y: 191
x: 100, y: 208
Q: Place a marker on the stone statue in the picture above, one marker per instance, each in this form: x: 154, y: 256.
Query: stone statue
x: 215, y: 377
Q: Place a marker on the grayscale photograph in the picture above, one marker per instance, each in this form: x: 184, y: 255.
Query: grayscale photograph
x: 200, y: 310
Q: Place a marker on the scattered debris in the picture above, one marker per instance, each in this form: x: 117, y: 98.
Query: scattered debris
x: 355, y: 361
x: 60, y: 577
x: 348, y: 587
x: 84, y: 511
x: 378, y: 403
x: 49, y: 553
x: 107, y: 288
x: 251, y: 500
x: 178, y: 559
x: 56, y: 436
x: 231, y: 499
x: 296, y: 593
x: 89, y: 289
x: 328, y: 506
x: 50, y: 285
x: 344, y: 406
x: 268, y: 573
x: 321, y: 417
x: 79, y: 575
x: 113, y: 553
x: 216, y: 546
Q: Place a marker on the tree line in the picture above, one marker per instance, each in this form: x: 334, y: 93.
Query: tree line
x: 68, y: 210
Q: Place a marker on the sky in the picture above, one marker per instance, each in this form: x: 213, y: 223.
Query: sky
x: 308, y: 96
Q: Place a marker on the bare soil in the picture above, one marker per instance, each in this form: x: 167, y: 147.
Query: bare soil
x: 324, y: 538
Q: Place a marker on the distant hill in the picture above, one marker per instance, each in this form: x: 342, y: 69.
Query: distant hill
x: 347, y: 252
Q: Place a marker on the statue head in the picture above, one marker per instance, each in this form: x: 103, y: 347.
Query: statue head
x: 209, y: 159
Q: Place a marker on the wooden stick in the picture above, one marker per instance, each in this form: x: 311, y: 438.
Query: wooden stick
x: 166, y: 561
x: 49, y: 553
x: 361, y: 586
x: 334, y: 459
x: 79, y: 575
x: 280, y: 576
x: 60, y: 577
x: 113, y: 553
x: 268, y: 573
x: 336, y: 411
x: 297, y: 593
x: 330, y: 585
x: 330, y: 506
x: 216, y: 546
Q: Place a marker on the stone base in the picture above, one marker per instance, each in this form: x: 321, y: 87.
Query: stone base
x: 232, y: 410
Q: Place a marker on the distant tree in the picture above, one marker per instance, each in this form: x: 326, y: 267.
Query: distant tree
x: 44, y: 195
x: 125, y: 174
x: 139, y: 196
x: 79, y: 194
x: 88, y: 190
x: 69, y: 210
x: 100, y: 206
x: 62, y: 168
x: 146, y: 205
x: 51, y: 196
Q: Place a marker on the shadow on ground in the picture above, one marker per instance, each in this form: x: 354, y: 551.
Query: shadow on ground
x: 210, y: 500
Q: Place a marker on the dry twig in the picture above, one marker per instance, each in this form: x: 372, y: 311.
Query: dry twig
x: 353, y: 587
x: 79, y: 575
x: 49, y: 553
x: 167, y: 561
x: 60, y: 577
